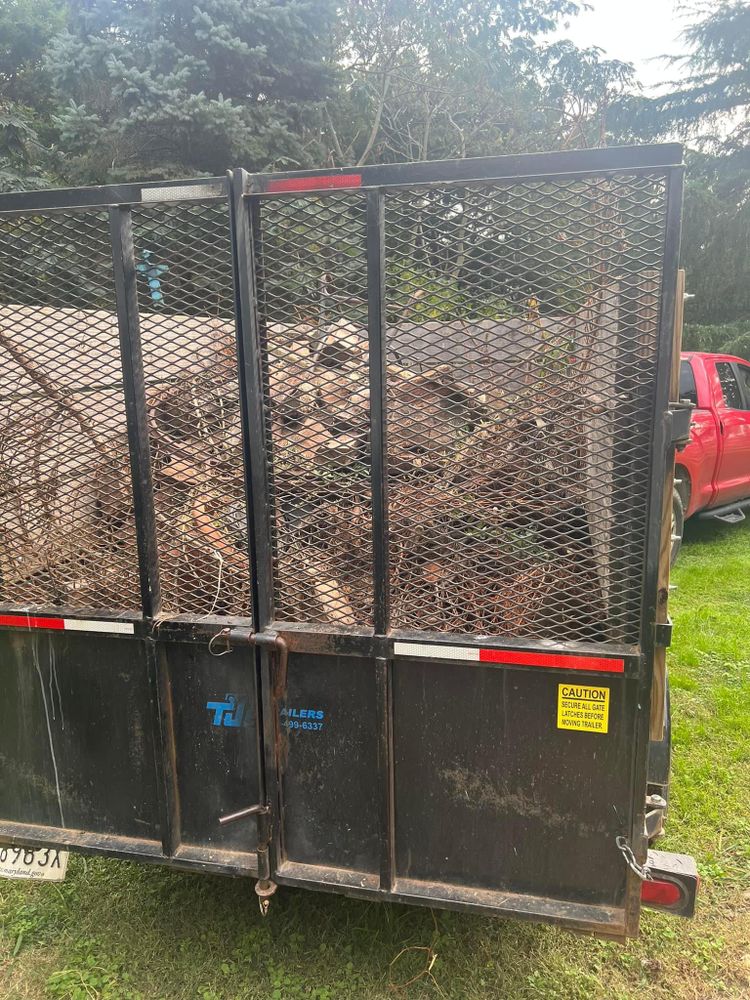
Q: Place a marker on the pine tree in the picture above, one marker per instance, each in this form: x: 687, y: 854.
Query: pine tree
x: 714, y: 102
x: 175, y: 87
x: 26, y: 27
x: 710, y: 110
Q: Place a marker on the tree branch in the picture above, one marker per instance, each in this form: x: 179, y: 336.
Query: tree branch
x: 48, y: 387
x: 378, y: 115
x: 334, y: 136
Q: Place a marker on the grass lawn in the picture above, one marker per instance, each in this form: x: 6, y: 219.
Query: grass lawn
x: 115, y: 930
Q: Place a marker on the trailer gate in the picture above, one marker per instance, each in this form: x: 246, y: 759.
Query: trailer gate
x: 330, y: 508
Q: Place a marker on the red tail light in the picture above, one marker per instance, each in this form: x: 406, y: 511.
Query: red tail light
x: 660, y: 893
x: 674, y: 883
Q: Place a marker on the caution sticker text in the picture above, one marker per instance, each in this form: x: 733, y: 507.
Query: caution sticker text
x: 580, y: 706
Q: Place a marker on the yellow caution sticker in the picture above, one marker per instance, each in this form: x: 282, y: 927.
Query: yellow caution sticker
x: 582, y: 707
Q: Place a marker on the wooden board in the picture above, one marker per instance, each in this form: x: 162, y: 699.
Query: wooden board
x: 659, y: 686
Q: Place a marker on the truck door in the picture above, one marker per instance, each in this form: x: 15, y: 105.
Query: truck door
x: 733, y: 411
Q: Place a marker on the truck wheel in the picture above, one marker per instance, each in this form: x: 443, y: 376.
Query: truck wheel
x: 678, y: 525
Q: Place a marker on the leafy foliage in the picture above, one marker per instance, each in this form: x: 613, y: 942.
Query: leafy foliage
x: 429, y: 79
x: 722, y: 338
x: 716, y: 240
x: 18, y: 144
x: 106, y: 90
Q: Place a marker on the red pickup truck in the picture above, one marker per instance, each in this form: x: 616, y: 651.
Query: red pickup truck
x: 712, y: 472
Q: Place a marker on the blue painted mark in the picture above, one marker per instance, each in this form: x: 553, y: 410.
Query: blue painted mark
x: 307, y: 719
x: 229, y: 713
x: 152, y: 272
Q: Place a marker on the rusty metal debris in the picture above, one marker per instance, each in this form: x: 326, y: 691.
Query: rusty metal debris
x: 462, y: 463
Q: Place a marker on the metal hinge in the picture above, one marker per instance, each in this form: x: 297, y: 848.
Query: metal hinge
x: 656, y: 808
x: 663, y: 633
x: 679, y: 416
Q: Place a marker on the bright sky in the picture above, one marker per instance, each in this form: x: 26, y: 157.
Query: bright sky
x: 637, y: 31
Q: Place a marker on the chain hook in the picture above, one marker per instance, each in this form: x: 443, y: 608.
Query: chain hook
x: 642, y: 871
x: 222, y: 634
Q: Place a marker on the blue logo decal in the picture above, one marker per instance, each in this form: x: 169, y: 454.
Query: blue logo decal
x: 229, y: 713
x: 307, y: 719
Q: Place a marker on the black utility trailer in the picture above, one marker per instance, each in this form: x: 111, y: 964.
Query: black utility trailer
x: 331, y: 510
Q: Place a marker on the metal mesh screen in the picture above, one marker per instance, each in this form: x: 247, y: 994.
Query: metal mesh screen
x: 186, y: 304
x: 312, y: 284
x: 522, y: 332
x: 522, y: 327
x: 66, y: 525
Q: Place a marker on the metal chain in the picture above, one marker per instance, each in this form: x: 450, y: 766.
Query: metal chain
x: 642, y: 871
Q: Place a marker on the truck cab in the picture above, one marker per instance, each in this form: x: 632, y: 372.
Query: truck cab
x: 712, y: 473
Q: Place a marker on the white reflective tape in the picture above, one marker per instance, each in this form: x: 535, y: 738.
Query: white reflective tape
x: 435, y: 652
x: 183, y: 192
x: 81, y: 625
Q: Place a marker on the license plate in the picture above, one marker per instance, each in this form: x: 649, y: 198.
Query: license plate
x: 41, y: 864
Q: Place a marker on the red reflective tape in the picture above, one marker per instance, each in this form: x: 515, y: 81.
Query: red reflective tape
x: 325, y: 182
x: 29, y: 621
x: 562, y: 661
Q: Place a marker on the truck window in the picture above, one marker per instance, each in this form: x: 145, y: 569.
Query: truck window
x: 730, y: 387
x: 687, y: 383
x: 744, y: 373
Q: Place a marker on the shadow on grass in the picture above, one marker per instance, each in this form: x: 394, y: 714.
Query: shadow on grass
x: 166, y: 934
x: 699, y: 533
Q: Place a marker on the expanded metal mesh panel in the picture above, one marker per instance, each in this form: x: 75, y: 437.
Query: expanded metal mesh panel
x: 522, y: 333
x: 521, y: 343
x: 186, y: 305
x: 312, y: 284
x: 67, y: 535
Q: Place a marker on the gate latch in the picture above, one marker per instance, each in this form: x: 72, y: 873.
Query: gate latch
x: 663, y: 633
x: 229, y: 637
x: 256, y: 810
x: 679, y: 416
x: 265, y: 887
x: 232, y: 636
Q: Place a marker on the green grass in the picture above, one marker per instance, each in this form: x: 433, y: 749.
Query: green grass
x: 117, y: 931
